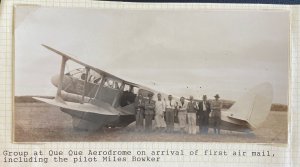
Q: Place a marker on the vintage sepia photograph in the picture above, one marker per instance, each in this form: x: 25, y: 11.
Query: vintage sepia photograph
x: 151, y: 75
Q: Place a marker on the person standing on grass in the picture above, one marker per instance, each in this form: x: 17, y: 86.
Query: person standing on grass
x: 170, y: 110
x: 149, y: 112
x: 192, y: 107
x: 160, y: 108
x: 216, y: 106
x: 203, y: 115
x: 182, y: 114
x: 139, y: 105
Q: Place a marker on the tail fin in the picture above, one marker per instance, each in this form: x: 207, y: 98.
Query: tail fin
x: 254, y: 106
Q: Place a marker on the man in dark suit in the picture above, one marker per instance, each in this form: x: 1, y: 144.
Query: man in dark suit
x: 203, y: 115
x: 139, y: 112
x: 192, y: 108
x: 149, y: 112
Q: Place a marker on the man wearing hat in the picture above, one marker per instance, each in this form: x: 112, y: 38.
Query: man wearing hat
x: 149, y: 112
x: 216, y: 107
x: 203, y: 115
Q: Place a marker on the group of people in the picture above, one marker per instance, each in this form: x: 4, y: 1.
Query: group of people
x: 187, y: 112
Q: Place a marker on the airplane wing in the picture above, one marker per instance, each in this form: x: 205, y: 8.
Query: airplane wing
x: 105, y: 109
x: 89, y: 66
x: 99, y: 70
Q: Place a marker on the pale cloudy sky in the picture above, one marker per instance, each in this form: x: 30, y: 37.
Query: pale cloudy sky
x: 225, y: 52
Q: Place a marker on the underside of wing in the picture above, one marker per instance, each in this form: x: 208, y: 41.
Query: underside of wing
x: 104, y: 109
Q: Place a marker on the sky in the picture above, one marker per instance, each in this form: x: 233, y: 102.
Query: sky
x: 182, y: 52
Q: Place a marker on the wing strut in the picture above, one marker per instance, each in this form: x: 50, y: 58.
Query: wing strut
x: 61, y: 77
x: 85, y: 82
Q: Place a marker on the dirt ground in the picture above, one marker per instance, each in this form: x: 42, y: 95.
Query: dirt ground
x: 40, y: 122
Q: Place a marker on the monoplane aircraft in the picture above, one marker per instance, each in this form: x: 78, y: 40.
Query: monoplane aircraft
x: 96, y: 99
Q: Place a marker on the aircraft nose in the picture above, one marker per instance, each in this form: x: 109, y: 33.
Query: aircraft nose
x: 55, y: 80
